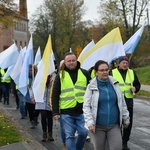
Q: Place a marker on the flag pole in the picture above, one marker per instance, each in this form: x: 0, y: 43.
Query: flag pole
x: 131, y: 81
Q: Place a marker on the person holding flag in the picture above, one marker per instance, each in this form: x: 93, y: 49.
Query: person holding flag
x: 46, y: 111
x: 129, y: 84
x: 30, y: 103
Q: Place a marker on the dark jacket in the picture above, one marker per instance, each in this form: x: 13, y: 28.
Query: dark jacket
x: 57, y: 91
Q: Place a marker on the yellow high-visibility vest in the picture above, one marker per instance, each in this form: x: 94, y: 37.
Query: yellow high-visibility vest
x: 93, y: 73
x: 7, y: 80
x: 17, y: 87
x: 124, y: 85
x: 72, y: 93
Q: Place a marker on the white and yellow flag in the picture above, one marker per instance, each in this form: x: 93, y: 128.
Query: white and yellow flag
x: 85, y: 50
x: 45, y: 67
x: 108, y: 48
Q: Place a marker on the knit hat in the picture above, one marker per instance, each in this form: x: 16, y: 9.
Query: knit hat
x: 120, y: 59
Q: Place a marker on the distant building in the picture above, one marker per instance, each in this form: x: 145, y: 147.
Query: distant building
x: 19, y: 32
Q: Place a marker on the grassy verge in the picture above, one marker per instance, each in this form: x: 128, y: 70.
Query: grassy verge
x: 143, y: 74
x: 143, y: 93
x: 8, y: 133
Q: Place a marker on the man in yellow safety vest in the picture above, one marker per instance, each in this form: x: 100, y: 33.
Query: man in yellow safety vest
x: 129, y: 85
x: 67, y: 101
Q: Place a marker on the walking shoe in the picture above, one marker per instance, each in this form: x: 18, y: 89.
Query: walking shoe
x: 32, y: 124
x: 125, y: 147
x: 50, y: 137
x: 44, y: 137
x: 88, y: 138
x: 23, y: 117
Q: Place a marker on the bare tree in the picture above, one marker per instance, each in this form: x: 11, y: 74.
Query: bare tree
x: 125, y: 13
x: 135, y: 9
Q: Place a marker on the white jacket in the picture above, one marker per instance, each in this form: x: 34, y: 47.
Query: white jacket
x: 90, y: 104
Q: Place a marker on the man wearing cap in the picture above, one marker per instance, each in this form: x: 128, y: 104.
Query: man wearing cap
x: 129, y: 85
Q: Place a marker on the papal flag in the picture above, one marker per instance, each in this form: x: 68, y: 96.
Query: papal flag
x: 15, y: 74
x: 8, y: 72
x: 17, y: 65
x: 85, y: 50
x: 108, y: 48
x: 45, y: 67
x: 130, y: 45
x: 9, y: 56
x: 37, y: 56
x: 24, y: 74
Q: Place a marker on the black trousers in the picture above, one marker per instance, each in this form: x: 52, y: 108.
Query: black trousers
x: 30, y: 108
x: 46, y: 120
x: 6, y: 91
x: 17, y: 99
x: 1, y: 92
x: 127, y: 132
x: 36, y: 113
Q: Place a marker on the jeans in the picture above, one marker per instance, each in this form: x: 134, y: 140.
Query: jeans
x: 22, y: 104
x: 62, y: 131
x: 72, y: 124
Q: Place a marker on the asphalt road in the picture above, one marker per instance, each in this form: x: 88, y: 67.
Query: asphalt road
x: 145, y: 87
x: 139, y: 138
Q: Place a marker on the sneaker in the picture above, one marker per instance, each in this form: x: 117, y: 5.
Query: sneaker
x: 88, y: 138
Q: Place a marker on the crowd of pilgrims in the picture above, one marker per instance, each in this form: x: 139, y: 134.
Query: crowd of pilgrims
x: 29, y: 108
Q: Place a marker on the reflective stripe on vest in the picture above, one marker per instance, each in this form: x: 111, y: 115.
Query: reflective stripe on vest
x: 7, y: 80
x: 70, y: 93
x: 125, y: 86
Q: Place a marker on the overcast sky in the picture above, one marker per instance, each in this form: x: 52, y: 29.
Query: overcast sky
x: 91, y: 13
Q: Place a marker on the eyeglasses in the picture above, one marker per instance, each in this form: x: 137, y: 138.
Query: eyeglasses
x: 103, y: 70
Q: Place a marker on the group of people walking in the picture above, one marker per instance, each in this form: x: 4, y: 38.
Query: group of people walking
x: 99, y: 104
